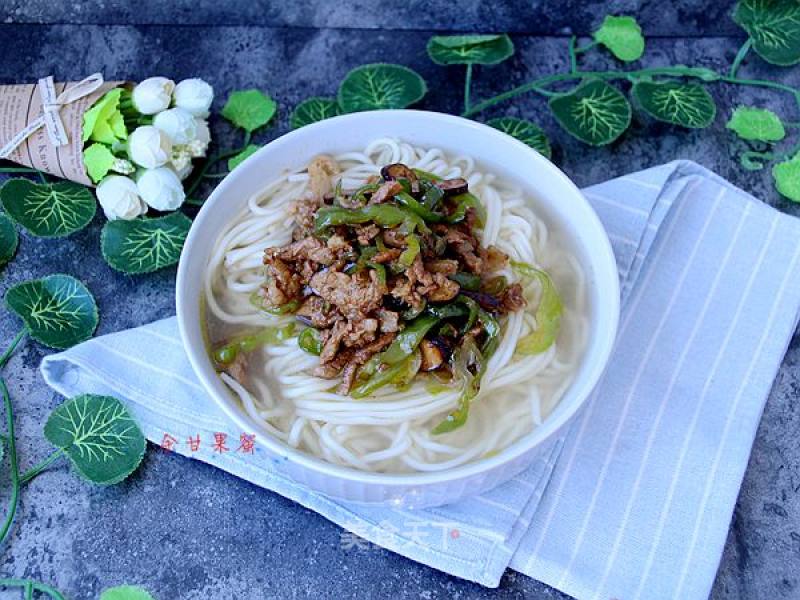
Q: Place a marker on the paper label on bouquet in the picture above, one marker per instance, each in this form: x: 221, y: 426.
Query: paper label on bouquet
x: 21, y: 106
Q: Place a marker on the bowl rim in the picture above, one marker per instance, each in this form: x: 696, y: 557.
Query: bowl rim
x: 602, y: 254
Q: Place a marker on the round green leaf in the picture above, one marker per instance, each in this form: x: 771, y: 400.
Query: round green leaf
x: 525, y: 131
x: 594, y: 112
x: 48, y: 209
x: 757, y: 124
x: 144, y: 245
x: 99, y: 436
x: 684, y: 104
x: 470, y: 49
x: 622, y: 36
x: 313, y: 110
x: 378, y: 86
x: 249, y: 109
x: 787, y: 178
x: 9, y: 240
x: 242, y: 156
x: 774, y: 27
x: 58, y: 310
x: 126, y: 592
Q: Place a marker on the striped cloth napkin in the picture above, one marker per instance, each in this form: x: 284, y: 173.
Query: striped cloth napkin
x: 635, y: 500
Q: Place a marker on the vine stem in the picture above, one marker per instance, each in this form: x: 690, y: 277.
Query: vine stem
x: 539, y: 85
x: 573, y: 57
x: 31, y: 586
x: 210, y: 163
x: 17, y: 170
x: 467, y: 87
x: 12, y: 453
x: 38, y: 469
x: 14, y: 343
x: 740, y: 57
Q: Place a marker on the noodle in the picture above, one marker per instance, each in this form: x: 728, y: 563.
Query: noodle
x: 391, y: 431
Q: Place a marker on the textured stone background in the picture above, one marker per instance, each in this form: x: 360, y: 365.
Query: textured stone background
x: 187, y: 531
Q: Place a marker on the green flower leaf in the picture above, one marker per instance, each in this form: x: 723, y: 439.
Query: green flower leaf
x: 313, y: 110
x: 378, y: 86
x: 470, y: 49
x: 48, y: 209
x: 774, y: 28
x: 622, y: 36
x: 99, y: 436
x: 249, y: 109
x: 98, y: 160
x: 244, y: 154
x: 684, y: 104
x: 58, y: 310
x: 595, y: 112
x: 525, y: 131
x: 9, y: 240
x: 757, y: 124
x: 104, y: 122
x: 144, y: 245
x: 787, y: 178
x: 126, y: 592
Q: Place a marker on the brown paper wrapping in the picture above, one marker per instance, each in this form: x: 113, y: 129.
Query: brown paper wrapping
x: 21, y: 104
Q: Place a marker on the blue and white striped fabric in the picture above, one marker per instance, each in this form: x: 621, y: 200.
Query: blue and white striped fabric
x: 635, y: 501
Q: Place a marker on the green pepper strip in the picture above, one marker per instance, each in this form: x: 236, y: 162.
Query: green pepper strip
x: 360, y: 194
x: 386, y: 215
x: 432, y: 197
x: 468, y: 281
x: 382, y: 378
x: 548, y: 313
x: 469, y: 354
x: 463, y: 202
x: 411, y: 252
x: 495, y: 286
x: 380, y: 270
x: 418, y: 209
x: 447, y: 311
x: 426, y: 175
x: 226, y: 354
x: 310, y: 341
x: 407, y: 340
x: 473, y: 311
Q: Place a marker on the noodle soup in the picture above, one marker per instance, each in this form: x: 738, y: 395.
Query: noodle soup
x: 428, y: 421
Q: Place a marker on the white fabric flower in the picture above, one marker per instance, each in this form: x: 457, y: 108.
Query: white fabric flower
x: 184, y: 172
x: 180, y: 157
x: 119, y: 198
x: 178, y: 124
x: 194, y: 95
x: 153, y: 95
x: 199, y: 145
x: 149, y: 147
x: 161, y: 189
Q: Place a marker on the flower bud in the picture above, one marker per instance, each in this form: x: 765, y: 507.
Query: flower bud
x: 184, y: 172
x: 153, y: 95
x: 119, y: 198
x: 199, y: 145
x: 161, y: 189
x: 195, y: 96
x: 149, y: 147
x: 178, y: 124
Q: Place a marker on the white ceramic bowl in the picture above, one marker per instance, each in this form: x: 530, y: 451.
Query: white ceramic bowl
x: 556, y: 200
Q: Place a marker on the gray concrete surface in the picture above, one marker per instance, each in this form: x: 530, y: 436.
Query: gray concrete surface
x: 187, y: 531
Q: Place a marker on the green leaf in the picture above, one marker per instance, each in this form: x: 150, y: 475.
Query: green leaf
x: 470, y: 49
x: 103, y: 122
x: 98, y: 160
x: 58, y: 310
x: 313, y: 110
x: 144, y: 245
x: 684, y: 104
x: 379, y: 86
x: 249, y: 109
x: 594, y: 112
x: 774, y: 28
x: 9, y: 240
x: 622, y: 36
x: 244, y: 154
x: 99, y: 435
x: 525, y: 131
x: 126, y: 592
x: 757, y: 124
x: 787, y: 178
x: 48, y: 209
